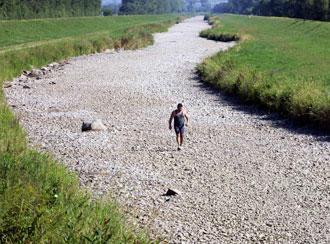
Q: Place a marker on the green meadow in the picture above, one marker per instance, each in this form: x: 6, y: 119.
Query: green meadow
x: 17, y: 33
x: 282, y: 64
x: 40, y: 200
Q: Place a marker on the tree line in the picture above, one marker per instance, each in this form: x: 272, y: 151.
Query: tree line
x: 27, y: 9
x: 151, y: 6
x: 305, y: 9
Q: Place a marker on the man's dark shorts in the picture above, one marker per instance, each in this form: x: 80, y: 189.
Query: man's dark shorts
x: 179, y: 130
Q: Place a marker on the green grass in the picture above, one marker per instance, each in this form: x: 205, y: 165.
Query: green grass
x: 22, y: 32
x: 280, y: 63
x: 40, y: 201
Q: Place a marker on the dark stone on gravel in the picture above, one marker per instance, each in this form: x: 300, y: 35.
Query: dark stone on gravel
x: 86, y: 127
x: 96, y: 125
x: 171, y: 192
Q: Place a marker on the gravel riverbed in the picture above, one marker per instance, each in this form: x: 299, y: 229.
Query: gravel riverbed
x: 240, y: 178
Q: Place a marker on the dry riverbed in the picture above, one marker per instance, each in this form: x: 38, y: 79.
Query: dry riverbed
x: 241, y: 179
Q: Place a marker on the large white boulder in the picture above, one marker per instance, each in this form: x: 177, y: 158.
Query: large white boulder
x: 98, y: 125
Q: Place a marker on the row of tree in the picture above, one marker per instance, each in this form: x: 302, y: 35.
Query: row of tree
x: 198, y: 5
x: 306, y: 9
x: 151, y: 6
x: 27, y: 9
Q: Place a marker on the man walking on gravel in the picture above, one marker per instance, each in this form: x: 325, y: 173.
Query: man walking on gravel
x: 180, y: 117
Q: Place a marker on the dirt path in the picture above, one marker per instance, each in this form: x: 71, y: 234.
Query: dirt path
x: 241, y: 179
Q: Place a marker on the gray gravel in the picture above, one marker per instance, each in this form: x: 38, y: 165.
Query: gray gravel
x: 241, y: 179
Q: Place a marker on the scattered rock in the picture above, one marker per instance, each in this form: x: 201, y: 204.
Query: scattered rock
x: 269, y: 224
x: 26, y: 73
x: 86, y: 127
x: 136, y: 148
x: 96, y: 125
x: 110, y: 51
x: 26, y: 87
x: 7, y: 85
x: 22, y: 77
x: 172, y: 192
x: 44, y: 68
x: 54, y: 65
x: 36, y: 73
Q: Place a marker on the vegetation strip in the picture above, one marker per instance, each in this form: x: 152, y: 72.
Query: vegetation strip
x: 305, y: 9
x: 279, y: 63
x: 40, y: 200
x: 16, y: 32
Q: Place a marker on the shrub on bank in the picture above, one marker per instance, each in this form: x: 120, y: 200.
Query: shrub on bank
x: 216, y: 36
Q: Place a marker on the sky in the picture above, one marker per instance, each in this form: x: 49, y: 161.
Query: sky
x: 104, y: 2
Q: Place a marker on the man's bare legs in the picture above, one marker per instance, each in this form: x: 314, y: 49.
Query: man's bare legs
x: 181, y: 139
x: 178, y: 140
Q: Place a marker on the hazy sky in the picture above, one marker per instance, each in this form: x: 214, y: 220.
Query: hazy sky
x: 110, y: 1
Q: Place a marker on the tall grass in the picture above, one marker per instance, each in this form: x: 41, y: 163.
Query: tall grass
x: 282, y: 64
x: 40, y: 201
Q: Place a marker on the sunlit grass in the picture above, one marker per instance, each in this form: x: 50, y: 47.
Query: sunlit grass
x: 280, y: 63
x: 18, y: 32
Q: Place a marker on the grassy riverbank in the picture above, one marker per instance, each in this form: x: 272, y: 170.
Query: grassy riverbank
x: 40, y: 201
x: 281, y: 63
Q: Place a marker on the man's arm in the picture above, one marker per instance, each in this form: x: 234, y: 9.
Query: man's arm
x: 187, y: 117
x: 170, y: 121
